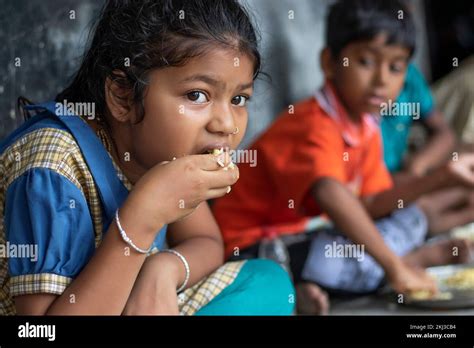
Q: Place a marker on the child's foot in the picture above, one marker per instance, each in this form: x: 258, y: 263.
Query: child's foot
x: 453, y: 251
x: 311, y: 299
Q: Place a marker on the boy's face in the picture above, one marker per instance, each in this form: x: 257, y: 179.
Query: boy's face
x: 367, y: 74
x: 195, y: 107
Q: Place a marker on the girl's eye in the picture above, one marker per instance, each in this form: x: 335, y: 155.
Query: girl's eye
x: 239, y: 100
x: 365, y: 61
x: 197, y: 97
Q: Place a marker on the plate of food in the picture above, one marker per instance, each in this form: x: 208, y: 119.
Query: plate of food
x: 455, y: 285
x: 463, y: 232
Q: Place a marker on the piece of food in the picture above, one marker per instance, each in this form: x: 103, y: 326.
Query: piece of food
x: 421, y: 295
x: 464, y: 232
x: 217, y: 152
x: 461, y: 280
x: 230, y: 166
x: 425, y: 295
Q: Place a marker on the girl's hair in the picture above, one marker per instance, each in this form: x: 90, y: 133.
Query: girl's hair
x: 353, y: 20
x: 134, y: 37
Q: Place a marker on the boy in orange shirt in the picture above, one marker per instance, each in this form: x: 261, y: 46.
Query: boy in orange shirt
x: 324, y: 156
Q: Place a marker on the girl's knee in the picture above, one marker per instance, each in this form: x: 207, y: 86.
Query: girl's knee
x: 272, y: 285
x: 267, y: 270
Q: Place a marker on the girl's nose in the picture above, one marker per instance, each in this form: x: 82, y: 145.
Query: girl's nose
x: 222, y: 121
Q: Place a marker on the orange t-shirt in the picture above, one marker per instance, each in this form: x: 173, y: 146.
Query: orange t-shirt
x: 317, y: 140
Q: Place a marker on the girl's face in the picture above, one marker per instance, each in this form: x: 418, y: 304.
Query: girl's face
x: 194, y: 108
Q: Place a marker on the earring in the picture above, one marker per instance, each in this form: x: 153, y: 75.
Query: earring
x: 236, y: 131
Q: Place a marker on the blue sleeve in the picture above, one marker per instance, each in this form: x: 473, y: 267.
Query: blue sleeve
x: 417, y: 90
x: 47, y: 212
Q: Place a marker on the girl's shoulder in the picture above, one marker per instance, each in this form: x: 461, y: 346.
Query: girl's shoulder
x: 48, y: 200
x: 47, y: 152
x: 49, y: 147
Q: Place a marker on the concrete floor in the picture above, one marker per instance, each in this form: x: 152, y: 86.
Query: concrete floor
x: 380, y: 305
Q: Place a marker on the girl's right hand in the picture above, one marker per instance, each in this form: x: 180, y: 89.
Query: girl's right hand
x: 172, y: 190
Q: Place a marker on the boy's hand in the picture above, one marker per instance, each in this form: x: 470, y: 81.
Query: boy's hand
x: 405, y: 280
x: 416, y: 169
x: 462, y: 170
x: 171, y: 191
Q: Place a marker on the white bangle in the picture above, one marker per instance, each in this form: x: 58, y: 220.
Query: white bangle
x: 127, y: 239
x: 186, y: 266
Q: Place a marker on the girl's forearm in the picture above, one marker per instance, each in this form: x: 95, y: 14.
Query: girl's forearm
x: 154, y: 292
x: 104, y: 285
x: 203, y: 254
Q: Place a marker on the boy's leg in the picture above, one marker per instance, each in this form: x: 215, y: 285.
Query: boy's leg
x: 336, y: 263
x: 310, y: 298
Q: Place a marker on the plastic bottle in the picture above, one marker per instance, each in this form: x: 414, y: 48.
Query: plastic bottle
x: 273, y: 248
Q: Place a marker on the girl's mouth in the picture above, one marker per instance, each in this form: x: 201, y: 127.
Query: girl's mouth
x: 223, y: 154
x: 215, y: 152
x: 215, y: 149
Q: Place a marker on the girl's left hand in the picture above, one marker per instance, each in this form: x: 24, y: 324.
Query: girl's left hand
x: 154, y: 291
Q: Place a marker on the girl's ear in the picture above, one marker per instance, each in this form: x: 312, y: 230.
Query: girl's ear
x: 327, y: 63
x: 118, y: 99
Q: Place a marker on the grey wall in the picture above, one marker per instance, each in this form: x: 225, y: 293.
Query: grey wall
x: 48, y: 41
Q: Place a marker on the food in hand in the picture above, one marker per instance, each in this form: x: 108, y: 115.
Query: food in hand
x: 217, y: 152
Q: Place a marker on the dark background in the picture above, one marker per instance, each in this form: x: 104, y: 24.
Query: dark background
x: 49, y: 45
x: 450, y: 27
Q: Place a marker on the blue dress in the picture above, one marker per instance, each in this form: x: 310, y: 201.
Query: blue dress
x: 59, y: 191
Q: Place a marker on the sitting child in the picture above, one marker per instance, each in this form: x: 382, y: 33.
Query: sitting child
x: 444, y: 208
x: 123, y: 159
x: 324, y: 155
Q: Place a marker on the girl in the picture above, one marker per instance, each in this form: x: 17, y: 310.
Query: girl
x: 121, y: 160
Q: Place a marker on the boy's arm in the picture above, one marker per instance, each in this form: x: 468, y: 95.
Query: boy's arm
x: 438, y: 148
x: 348, y: 214
x: 459, y: 172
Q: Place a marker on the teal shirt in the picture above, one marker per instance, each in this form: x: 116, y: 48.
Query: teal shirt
x: 395, y: 129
